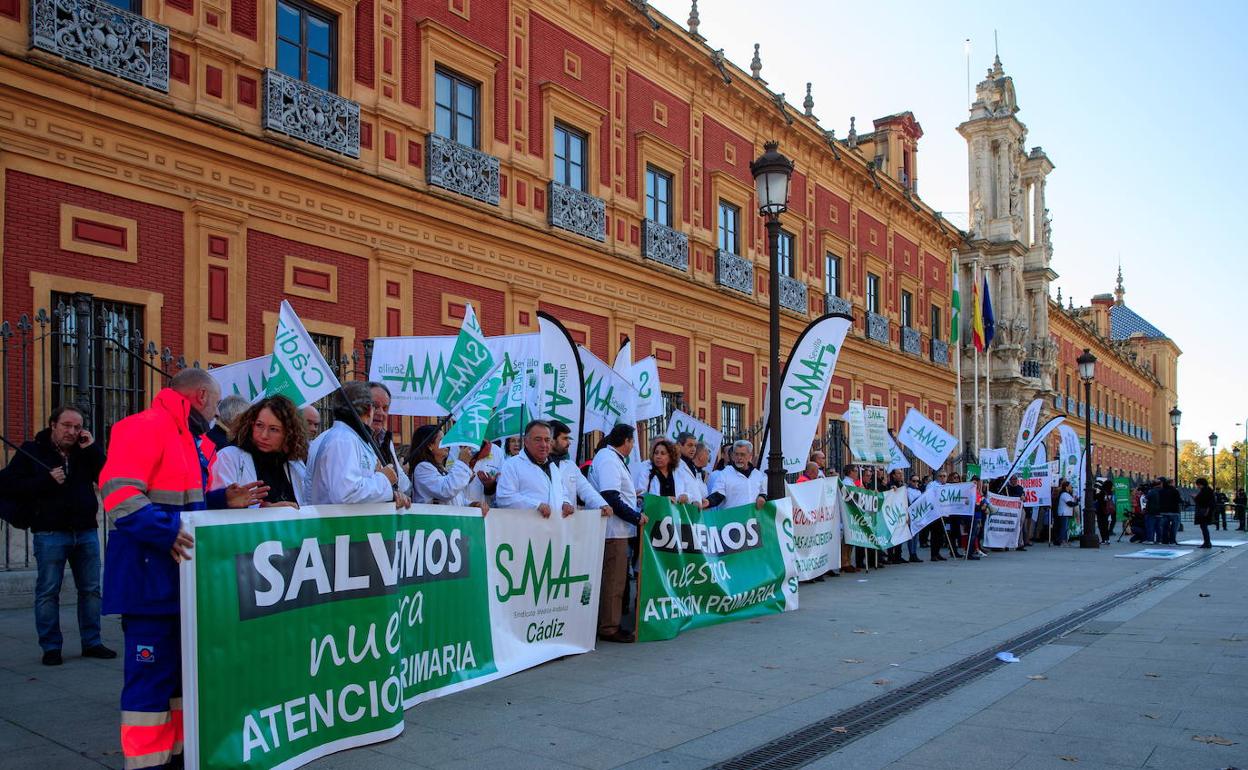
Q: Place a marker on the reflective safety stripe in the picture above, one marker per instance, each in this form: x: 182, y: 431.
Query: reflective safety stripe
x: 175, y: 497
x: 176, y: 717
x: 139, y: 741
x: 175, y: 704
x: 144, y: 718
x: 113, y: 485
x: 129, y: 505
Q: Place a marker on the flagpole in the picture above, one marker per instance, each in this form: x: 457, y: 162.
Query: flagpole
x: 957, y: 356
x: 974, y: 302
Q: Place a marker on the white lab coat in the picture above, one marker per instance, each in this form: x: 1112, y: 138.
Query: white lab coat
x: 492, y: 464
x: 342, y: 469
x: 694, y: 479
x: 685, y: 485
x: 429, y: 485
x: 522, y: 484
x: 737, y: 488
x: 575, y: 485
x: 609, y: 473
x: 405, y: 484
x: 236, y: 466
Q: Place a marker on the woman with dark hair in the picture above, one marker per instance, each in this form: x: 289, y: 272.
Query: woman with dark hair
x: 270, y: 445
x: 1204, y: 503
x: 343, y: 466
x: 432, y: 481
x: 664, y: 481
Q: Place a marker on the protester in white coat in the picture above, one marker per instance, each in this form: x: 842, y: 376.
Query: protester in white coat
x: 435, y: 484
x: 270, y: 445
x: 739, y: 483
x: 342, y: 465
x: 381, y: 433
x: 528, y: 479
x: 575, y: 485
x: 610, y: 476
x: 668, y: 479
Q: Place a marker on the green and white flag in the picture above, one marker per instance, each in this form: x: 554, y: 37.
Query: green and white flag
x: 471, y: 361
x: 245, y: 378
x: 472, y: 424
x: 955, y: 315
x: 511, y: 407
x: 874, y: 519
x: 297, y: 370
x: 610, y: 398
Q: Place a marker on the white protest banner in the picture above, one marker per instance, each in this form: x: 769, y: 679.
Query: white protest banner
x: 954, y: 499
x: 993, y: 463
x: 1027, y: 427
x: 1069, y: 452
x: 1037, y: 485
x: 680, y: 423
x: 297, y: 370
x: 816, y: 527
x: 859, y: 444
x: 923, y: 511
x: 413, y: 368
x: 804, y: 388
x: 560, y: 385
x: 927, y: 440
x: 609, y: 396
x: 896, y: 459
x: 895, y: 515
x: 878, y: 439
x: 245, y: 378
x: 644, y: 376
x: 1034, y: 443
x: 1005, y: 519
x: 471, y: 361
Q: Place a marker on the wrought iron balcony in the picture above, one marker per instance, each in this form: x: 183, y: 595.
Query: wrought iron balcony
x: 297, y: 108
x: 663, y: 244
x: 793, y: 295
x: 462, y: 169
x: 939, y: 351
x: 911, y: 341
x: 734, y: 272
x: 1030, y: 368
x: 578, y: 212
x: 877, y: 327
x: 104, y: 37
x: 835, y: 304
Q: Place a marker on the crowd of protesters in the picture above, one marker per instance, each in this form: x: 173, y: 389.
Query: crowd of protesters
x: 192, y: 450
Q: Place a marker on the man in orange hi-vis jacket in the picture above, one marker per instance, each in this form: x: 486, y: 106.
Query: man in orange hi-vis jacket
x: 157, y: 467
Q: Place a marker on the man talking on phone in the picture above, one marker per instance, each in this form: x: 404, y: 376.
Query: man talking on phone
x: 55, y: 475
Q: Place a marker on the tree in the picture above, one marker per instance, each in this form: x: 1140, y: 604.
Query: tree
x: 1194, y: 463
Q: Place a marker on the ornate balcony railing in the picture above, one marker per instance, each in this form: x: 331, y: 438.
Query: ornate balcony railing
x: 104, y: 37
x: 1030, y: 368
x: 877, y: 327
x: 734, y: 272
x: 578, y: 212
x: 835, y: 304
x: 911, y: 341
x: 462, y: 169
x: 663, y: 244
x: 793, y: 295
x: 939, y: 351
x: 299, y: 109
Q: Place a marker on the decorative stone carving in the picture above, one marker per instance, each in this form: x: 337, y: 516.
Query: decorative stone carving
x: 663, y: 244
x: 835, y: 304
x: 459, y: 168
x: 318, y: 117
x: 911, y: 341
x: 877, y: 328
x: 578, y: 212
x: 793, y: 295
x: 734, y: 272
x: 105, y: 37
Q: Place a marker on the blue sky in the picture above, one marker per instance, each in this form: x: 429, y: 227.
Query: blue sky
x: 1139, y: 106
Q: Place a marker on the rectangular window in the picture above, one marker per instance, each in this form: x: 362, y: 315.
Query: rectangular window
x: 133, y: 6
x: 658, y: 196
x: 455, y: 107
x: 306, y: 43
x: 832, y: 275
x: 729, y: 217
x: 938, y: 331
x: 873, y: 293
x: 331, y: 348
x: 731, y: 420
x: 116, y: 374
x: 787, y: 247
x: 570, y: 158
x: 907, y: 306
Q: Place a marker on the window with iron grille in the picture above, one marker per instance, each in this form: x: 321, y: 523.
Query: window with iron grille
x: 836, y: 445
x: 786, y: 253
x: 731, y: 420
x: 116, y: 381
x: 331, y: 348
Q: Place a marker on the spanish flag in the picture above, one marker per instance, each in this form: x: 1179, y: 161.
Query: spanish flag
x: 977, y: 317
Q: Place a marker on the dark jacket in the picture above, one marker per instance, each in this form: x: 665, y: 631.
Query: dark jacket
x: 68, y: 507
x: 1164, y: 500
x: 1204, y: 500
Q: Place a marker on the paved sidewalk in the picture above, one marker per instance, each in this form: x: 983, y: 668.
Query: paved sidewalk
x: 713, y: 693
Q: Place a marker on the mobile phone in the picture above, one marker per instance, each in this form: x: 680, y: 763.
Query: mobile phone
x: 83, y: 438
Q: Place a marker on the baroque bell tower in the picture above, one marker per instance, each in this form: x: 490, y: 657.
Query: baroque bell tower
x: 1009, y: 246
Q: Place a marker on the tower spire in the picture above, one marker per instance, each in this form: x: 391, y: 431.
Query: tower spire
x: 1119, y: 290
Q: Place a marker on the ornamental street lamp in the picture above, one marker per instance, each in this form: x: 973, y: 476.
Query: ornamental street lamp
x: 1235, y: 454
x: 1087, y: 372
x: 772, y: 172
x: 1175, y: 416
x: 1213, y: 460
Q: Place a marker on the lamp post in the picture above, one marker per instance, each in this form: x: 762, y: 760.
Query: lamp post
x: 772, y: 172
x: 1235, y: 486
x: 1087, y: 372
x: 1175, y: 416
x: 1213, y: 460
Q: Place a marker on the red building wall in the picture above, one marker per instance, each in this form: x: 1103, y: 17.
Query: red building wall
x: 489, y: 305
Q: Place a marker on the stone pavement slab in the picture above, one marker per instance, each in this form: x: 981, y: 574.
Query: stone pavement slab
x: 717, y: 692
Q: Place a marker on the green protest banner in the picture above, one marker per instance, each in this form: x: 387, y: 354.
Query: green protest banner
x: 1122, y: 497
x: 297, y: 370
x: 472, y: 423
x: 701, y: 568
x: 310, y: 631
x: 471, y: 361
x: 874, y: 519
